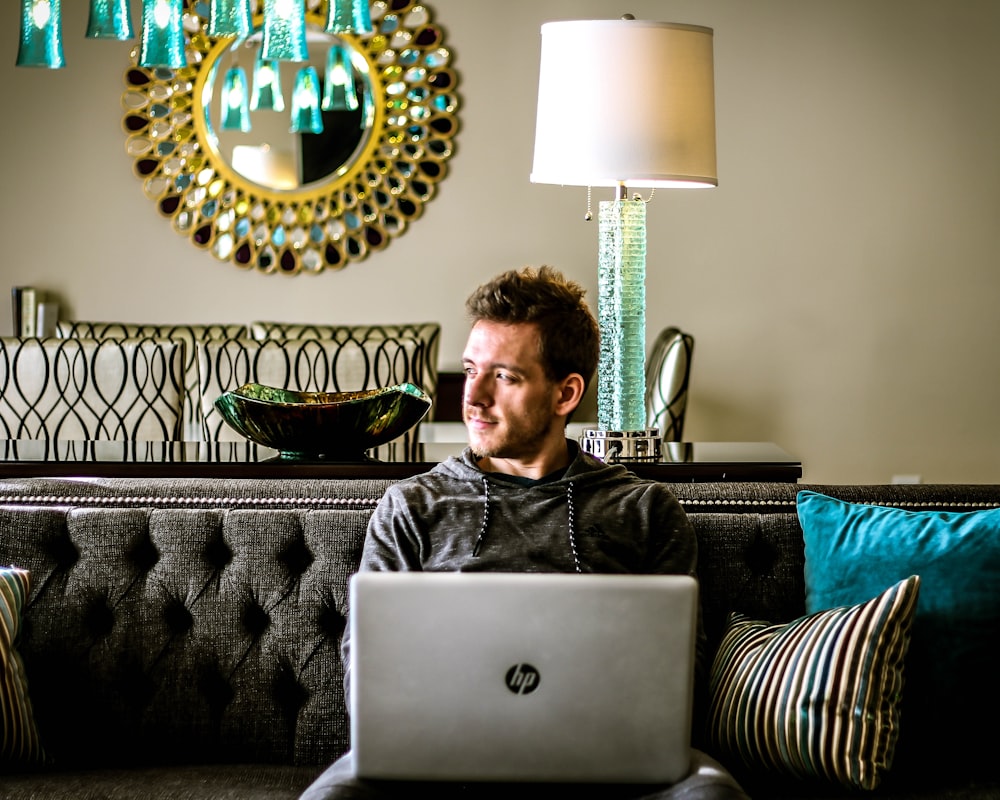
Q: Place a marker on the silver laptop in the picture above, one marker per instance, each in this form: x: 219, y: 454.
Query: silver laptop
x: 522, y: 677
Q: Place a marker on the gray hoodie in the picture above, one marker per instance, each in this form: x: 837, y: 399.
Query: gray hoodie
x: 594, y: 517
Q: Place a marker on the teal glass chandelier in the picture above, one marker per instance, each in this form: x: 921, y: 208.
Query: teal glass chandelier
x: 162, y: 40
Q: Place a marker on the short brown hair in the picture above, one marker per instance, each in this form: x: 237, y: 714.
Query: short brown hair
x: 568, y: 332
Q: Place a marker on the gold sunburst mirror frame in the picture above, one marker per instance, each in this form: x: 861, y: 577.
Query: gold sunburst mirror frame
x: 325, y: 224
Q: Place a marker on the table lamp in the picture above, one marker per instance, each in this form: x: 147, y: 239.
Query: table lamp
x: 624, y: 103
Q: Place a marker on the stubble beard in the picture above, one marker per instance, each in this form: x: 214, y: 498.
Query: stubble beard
x: 513, y: 440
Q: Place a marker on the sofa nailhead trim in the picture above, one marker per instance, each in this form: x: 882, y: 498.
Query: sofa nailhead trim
x: 367, y: 502
x: 791, y: 503
x: 226, y: 502
x: 737, y: 502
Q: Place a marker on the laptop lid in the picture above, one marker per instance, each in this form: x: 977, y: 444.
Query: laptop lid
x: 522, y: 676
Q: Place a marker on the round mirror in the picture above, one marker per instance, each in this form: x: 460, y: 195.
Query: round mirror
x: 263, y: 197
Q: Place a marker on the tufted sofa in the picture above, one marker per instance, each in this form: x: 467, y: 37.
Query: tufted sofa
x: 181, y: 637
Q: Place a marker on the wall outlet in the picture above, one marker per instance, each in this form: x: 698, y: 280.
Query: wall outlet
x: 906, y: 479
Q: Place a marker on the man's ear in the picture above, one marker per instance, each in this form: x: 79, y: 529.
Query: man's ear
x: 570, y: 393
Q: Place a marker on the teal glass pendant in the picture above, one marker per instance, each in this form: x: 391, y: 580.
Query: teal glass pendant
x: 266, y: 86
x: 162, y: 43
x: 41, y: 35
x: 349, y: 16
x: 339, y: 93
x: 110, y: 19
x: 230, y: 18
x: 235, y: 101
x: 285, y: 31
x: 306, y: 117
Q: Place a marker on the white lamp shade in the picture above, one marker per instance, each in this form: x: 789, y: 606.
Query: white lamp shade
x: 625, y: 102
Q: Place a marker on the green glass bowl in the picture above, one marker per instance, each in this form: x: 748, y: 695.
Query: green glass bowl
x: 322, y: 425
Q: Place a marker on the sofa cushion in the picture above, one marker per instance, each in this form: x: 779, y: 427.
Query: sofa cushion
x: 815, y: 698
x: 202, y: 630
x: 19, y: 740
x: 852, y: 548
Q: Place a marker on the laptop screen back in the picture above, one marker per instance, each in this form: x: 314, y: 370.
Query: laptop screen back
x: 522, y: 677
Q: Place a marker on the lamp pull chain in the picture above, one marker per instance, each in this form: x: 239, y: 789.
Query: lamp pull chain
x: 590, y: 214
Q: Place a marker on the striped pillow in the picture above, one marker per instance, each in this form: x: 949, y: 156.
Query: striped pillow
x: 817, y: 697
x: 19, y: 740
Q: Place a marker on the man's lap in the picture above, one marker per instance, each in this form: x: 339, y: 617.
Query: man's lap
x: 708, y: 780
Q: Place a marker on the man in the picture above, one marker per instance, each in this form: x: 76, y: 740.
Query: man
x: 523, y: 497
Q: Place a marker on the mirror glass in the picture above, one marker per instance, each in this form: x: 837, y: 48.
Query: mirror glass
x: 269, y: 153
x: 271, y: 200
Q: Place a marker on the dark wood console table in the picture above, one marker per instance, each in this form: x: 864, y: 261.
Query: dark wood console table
x: 683, y: 462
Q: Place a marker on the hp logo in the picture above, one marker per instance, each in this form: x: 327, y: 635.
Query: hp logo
x: 522, y: 679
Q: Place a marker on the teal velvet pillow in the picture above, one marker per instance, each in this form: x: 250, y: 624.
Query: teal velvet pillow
x: 19, y: 742
x: 853, y: 550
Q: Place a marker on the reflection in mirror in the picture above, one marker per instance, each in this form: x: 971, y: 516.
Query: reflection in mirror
x: 268, y: 153
x: 273, y: 201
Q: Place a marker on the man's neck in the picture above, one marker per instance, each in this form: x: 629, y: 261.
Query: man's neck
x: 555, y: 458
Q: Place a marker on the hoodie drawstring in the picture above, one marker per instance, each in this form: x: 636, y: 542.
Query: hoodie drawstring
x: 572, y: 526
x: 486, y: 518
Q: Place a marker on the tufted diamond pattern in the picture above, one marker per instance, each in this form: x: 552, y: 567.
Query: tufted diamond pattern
x: 188, y: 632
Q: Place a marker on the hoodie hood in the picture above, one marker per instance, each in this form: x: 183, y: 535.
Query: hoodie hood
x: 595, y: 517
x: 581, y: 467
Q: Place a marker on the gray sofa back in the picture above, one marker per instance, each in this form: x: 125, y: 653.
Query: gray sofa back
x: 751, y: 556
x: 186, y: 621
x: 200, y: 621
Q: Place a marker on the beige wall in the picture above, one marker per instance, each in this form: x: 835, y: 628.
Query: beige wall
x: 842, y: 282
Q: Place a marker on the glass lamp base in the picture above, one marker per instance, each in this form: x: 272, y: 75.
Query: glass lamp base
x: 614, y: 446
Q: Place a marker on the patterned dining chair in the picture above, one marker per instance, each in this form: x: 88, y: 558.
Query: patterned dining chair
x: 310, y: 365
x: 668, y: 373
x: 189, y: 334
x: 95, y: 389
x: 427, y: 332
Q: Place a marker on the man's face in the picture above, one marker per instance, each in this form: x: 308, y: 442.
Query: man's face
x: 509, y: 405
